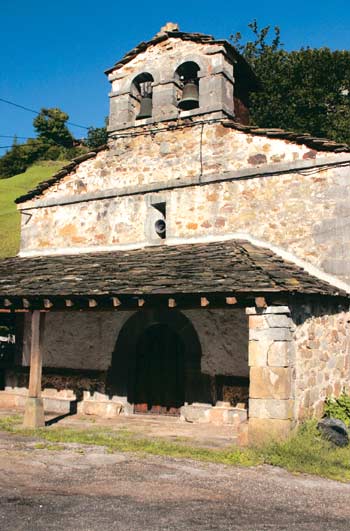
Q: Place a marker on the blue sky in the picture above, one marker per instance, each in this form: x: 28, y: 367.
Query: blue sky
x: 54, y: 53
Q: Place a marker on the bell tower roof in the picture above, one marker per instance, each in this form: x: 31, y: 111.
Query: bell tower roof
x: 172, y: 30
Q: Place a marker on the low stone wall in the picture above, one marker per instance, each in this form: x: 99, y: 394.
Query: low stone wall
x: 61, y: 383
x: 322, y: 339
x: 54, y: 401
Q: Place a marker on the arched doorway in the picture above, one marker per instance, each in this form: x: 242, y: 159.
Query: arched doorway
x: 159, y: 371
x: 157, y: 362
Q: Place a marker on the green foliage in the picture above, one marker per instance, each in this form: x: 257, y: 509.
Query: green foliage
x: 51, y: 128
x: 9, y: 190
x: 54, y: 142
x: 306, y: 452
x: 296, y: 93
x: 338, y: 408
x: 13, y: 162
x: 97, y: 136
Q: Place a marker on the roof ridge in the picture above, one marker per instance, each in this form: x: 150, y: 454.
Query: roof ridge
x: 300, y: 138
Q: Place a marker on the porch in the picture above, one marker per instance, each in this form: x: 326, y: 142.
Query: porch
x: 156, y: 363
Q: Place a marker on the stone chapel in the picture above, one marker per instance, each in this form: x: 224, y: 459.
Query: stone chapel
x: 196, y: 265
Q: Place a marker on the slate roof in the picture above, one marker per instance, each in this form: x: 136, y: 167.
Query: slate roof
x: 242, y: 66
x: 234, y: 266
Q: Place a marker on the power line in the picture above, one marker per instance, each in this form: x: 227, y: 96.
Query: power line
x: 5, y: 147
x: 13, y: 136
x: 36, y: 112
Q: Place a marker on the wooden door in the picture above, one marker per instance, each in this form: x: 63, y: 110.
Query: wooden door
x: 159, y: 372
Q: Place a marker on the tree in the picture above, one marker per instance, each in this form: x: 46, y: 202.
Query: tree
x: 304, y: 91
x: 97, y: 136
x: 51, y: 128
x: 13, y: 162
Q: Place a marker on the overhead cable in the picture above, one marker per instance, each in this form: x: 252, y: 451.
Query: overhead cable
x: 37, y: 112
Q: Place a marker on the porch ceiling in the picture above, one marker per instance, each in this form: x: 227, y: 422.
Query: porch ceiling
x: 226, y: 267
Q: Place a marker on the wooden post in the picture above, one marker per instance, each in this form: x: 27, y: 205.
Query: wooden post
x: 34, y: 411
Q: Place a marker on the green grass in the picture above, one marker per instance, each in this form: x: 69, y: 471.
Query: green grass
x: 305, y: 452
x: 12, y: 188
x: 308, y: 453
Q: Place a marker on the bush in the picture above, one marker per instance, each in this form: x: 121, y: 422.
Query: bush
x: 338, y: 408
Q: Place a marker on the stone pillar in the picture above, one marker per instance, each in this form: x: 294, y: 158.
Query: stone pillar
x: 164, y: 102
x: 271, y: 362
x: 120, y: 110
x: 216, y: 92
x: 34, y: 410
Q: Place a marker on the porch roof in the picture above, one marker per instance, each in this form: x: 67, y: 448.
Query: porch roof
x: 234, y: 266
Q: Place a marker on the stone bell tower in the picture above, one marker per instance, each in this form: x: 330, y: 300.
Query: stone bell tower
x: 179, y: 75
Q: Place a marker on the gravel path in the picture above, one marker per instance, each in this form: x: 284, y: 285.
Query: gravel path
x: 88, y: 489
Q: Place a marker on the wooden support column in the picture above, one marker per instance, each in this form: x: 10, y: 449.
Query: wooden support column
x: 34, y: 411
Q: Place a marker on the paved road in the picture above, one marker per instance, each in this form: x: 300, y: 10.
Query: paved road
x: 44, y: 490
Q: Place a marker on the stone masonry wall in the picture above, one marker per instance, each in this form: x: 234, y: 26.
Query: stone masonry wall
x: 223, y: 335
x: 78, y: 340
x: 176, y: 154
x: 304, y: 213
x: 322, y: 339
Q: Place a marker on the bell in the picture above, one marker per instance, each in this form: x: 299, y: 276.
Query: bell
x: 145, y: 108
x: 190, y: 97
x: 160, y: 228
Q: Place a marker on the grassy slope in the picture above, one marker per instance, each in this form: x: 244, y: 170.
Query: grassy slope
x: 9, y: 190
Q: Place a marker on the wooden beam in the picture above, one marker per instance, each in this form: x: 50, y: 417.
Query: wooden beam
x: 260, y: 302
x: 204, y: 302
x: 36, y: 354
x: 92, y: 303
x: 116, y: 302
x: 171, y: 303
x: 34, y: 410
x: 231, y: 300
x: 26, y: 303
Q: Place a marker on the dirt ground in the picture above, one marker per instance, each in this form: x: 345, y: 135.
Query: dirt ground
x: 88, y: 489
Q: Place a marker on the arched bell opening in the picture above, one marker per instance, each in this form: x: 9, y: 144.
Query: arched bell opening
x: 141, y: 96
x: 156, y: 363
x: 187, y: 78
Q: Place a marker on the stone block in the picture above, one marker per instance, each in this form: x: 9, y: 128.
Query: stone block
x: 262, y: 431
x: 279, y: 321
x: 270, y: 382
x: 57, y: 405
x: 280, y: 354
x: 257, y: 353
x: 270, y: 334
x: 216, y: 415
x: 34, y: 413
x: 226, y: 415
x: 236, y: 415
x: 268, y: 310
x: 195, y: 412
x: 267, y: 408
x: 263, y: 322
x: 101, y: 409
x: 8, y: 400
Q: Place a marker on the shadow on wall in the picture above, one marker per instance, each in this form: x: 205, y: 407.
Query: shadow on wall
x: 123, y: 376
